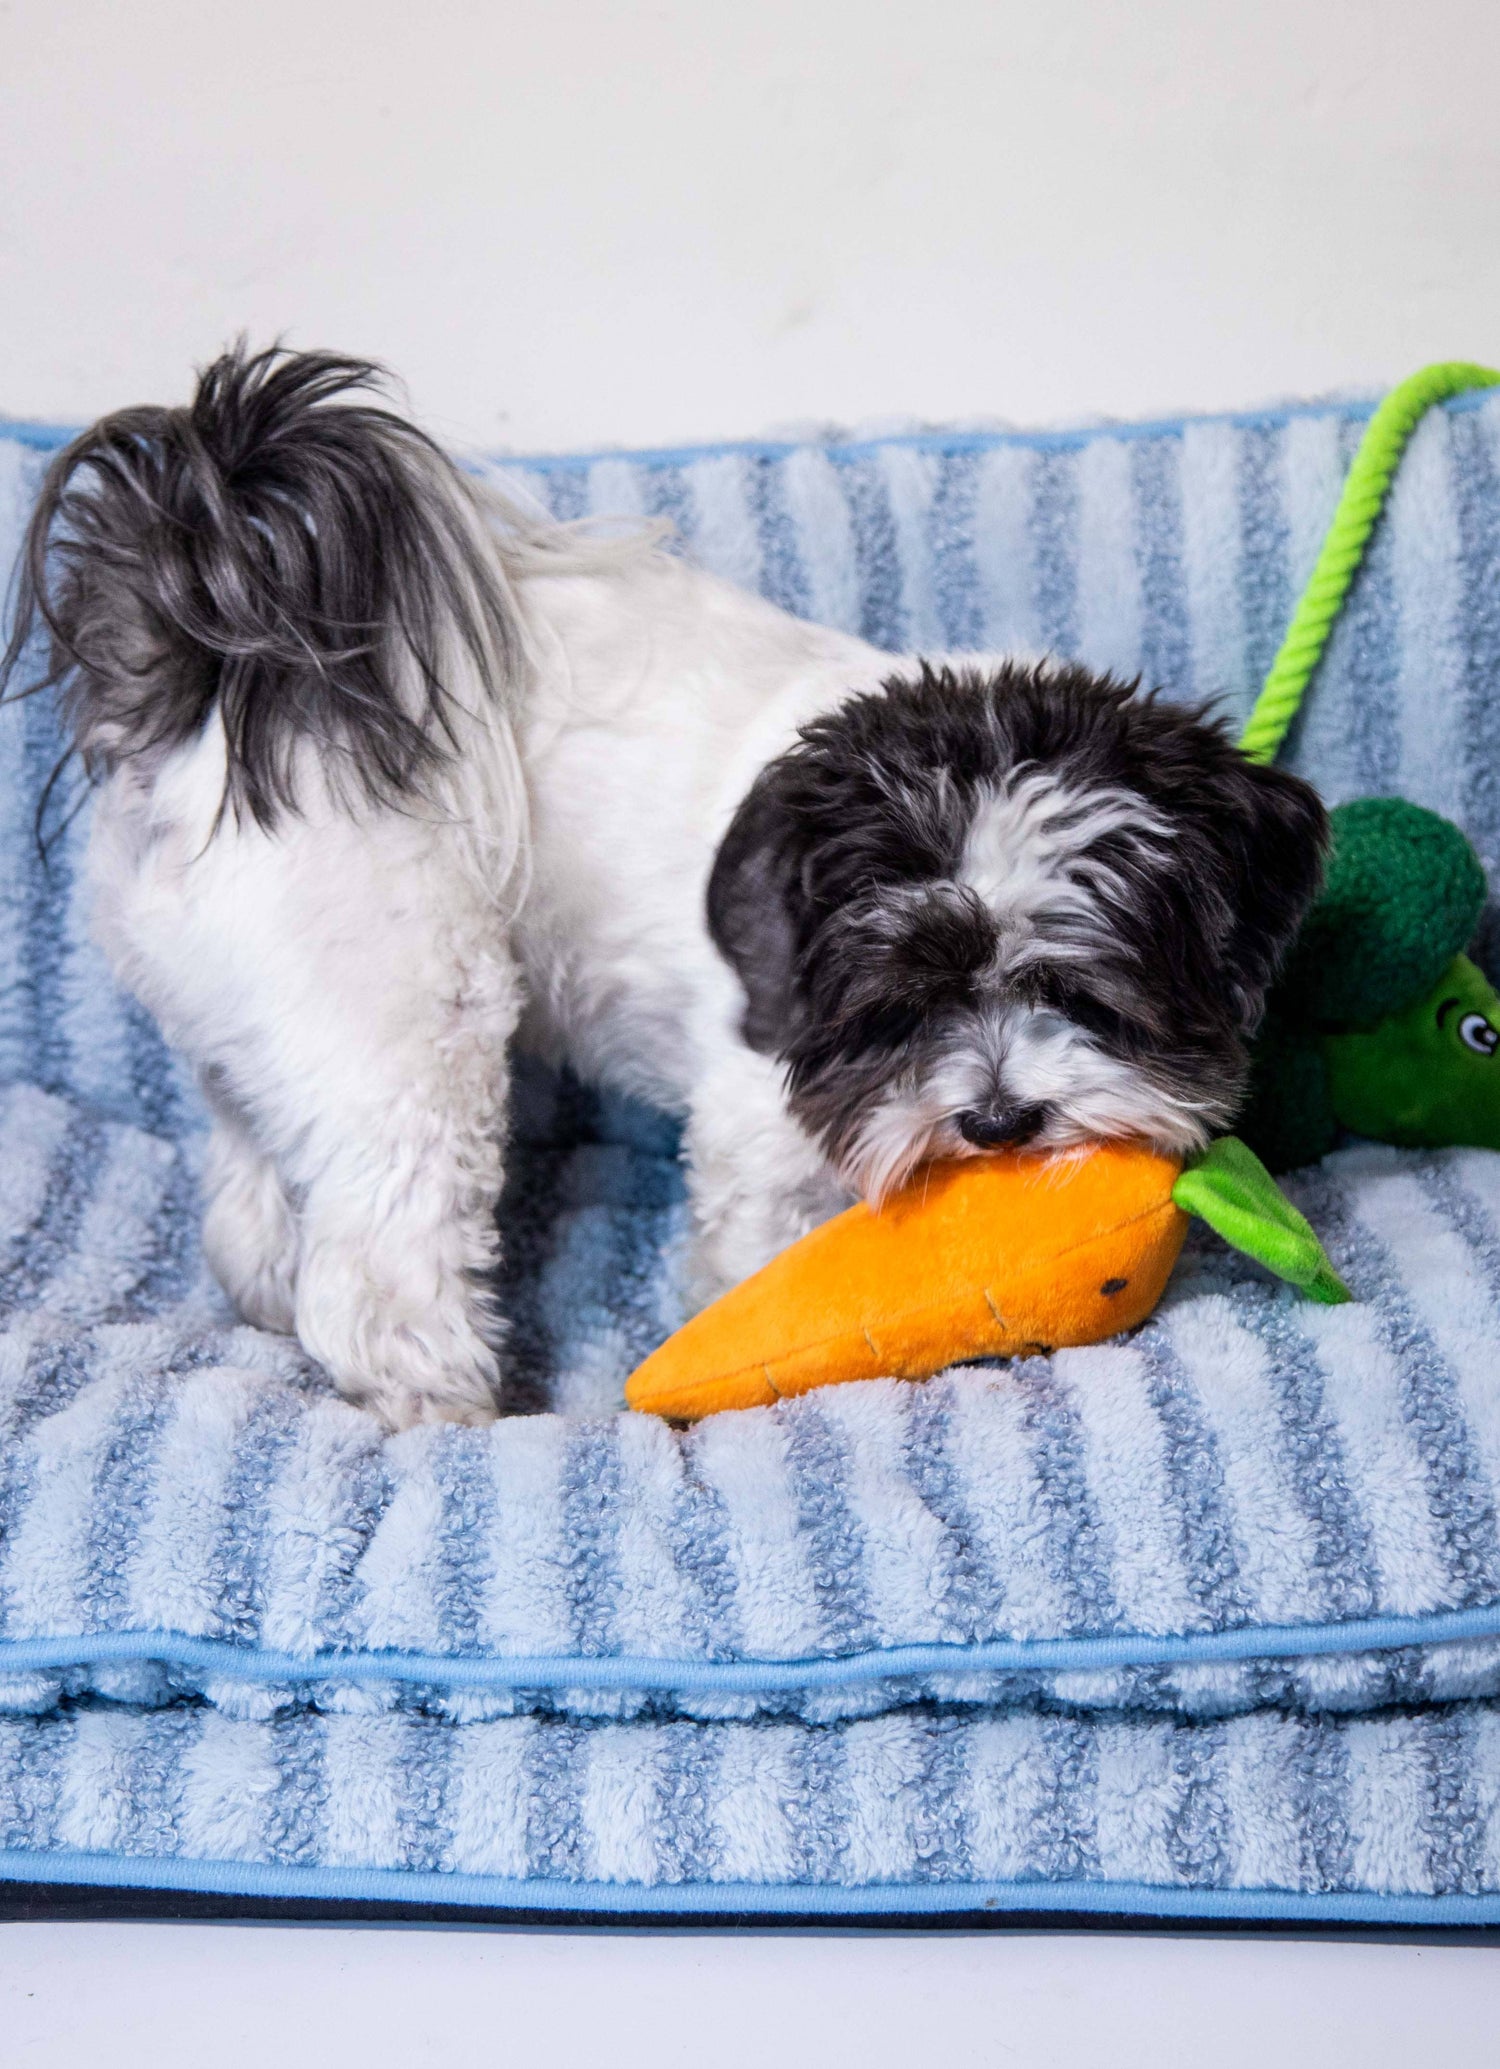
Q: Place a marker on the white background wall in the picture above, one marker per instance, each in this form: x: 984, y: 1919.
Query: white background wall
x: 268, y: 1997
x: 570, y: 222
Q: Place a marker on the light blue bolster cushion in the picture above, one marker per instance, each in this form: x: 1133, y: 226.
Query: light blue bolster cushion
x: 1204, y: 1623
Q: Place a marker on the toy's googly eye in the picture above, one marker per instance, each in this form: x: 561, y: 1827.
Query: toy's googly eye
x: 1476, y: 1033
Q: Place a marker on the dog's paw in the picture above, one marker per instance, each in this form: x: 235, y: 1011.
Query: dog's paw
x: 463, y: 1398
x: 406, y: 1358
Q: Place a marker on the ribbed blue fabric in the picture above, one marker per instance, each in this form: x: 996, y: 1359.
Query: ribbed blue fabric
x: 1214, y: 1610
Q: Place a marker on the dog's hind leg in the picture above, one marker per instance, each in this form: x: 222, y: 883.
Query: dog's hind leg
x: 399, y: 1173
x: 391, y: 1134
x: 345, y: 988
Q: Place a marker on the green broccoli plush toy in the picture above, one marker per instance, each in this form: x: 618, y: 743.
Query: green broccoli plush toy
x: 1380, y: 1024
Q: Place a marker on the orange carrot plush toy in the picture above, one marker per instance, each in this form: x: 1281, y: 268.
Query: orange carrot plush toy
x: 990, y: 1257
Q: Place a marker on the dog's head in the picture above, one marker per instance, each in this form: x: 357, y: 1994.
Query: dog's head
x: 1027, y: 906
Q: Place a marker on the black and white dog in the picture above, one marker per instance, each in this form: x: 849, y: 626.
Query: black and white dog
x: 393, y: 774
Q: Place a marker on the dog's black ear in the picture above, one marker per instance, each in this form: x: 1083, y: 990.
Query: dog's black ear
x: 755, y: 901
x: 1273, y: 830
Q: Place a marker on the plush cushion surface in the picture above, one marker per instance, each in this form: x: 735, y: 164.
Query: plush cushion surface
x: 1129, y: 1597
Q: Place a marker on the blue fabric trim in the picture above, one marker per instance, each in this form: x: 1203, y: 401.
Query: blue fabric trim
x: 49, y: 437
x: 700, y: 1899
x: 41, y: 438
x: 741, y: 1677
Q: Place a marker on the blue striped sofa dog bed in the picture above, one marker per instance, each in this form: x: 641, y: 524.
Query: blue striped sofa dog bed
x: 1202, y: 1624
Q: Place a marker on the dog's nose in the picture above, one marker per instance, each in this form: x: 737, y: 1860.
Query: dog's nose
x: 1000, y: 1127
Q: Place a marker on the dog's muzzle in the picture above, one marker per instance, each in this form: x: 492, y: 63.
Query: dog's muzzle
x: 1001, y: 1127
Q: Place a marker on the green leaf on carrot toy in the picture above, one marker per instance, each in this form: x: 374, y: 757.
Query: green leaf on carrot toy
x: 1231, y: 1189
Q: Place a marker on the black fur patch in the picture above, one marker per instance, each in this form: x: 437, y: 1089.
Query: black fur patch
x: 293, y: 558
x: 832, y: 894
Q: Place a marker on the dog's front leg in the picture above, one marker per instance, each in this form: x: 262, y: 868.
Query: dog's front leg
x: 757, y: 1181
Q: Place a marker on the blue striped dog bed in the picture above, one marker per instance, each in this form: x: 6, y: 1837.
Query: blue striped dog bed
x: 1203, y: 1624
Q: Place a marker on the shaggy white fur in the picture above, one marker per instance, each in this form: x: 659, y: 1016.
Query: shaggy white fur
x: 348, y: 983
x: 395, y: 775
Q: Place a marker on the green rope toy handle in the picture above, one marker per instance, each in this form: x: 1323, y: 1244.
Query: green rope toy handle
x: 1359, y: 505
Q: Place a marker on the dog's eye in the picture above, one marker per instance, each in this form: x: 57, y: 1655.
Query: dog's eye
x: 1097, y: 1017
x: 919, y: 953
x: 1100, y: 1017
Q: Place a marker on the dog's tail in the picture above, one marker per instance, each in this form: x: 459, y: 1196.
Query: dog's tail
x: 309, y: 566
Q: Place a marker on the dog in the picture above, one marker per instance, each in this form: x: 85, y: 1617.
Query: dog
x: 393, y: 776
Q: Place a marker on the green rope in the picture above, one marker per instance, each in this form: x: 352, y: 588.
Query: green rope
x: 1360, y: 504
